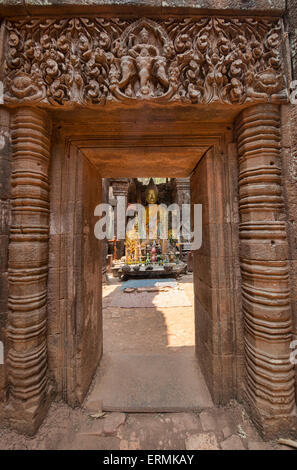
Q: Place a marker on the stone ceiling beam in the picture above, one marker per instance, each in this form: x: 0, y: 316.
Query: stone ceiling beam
x: 193, y: 7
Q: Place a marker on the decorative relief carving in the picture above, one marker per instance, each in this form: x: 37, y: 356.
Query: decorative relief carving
x: 264, y: 265
x: 91, y: 60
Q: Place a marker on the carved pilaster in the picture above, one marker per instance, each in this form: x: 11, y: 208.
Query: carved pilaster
x: 104, y: 243
x: 120, y: 187
x: 5, y: 189
x: 183, y: 191
x: 264, y: 269
x: 28, y: 269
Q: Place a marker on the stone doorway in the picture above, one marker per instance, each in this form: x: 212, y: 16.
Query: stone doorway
x: 225, y: 134
x: 84, y: 155
x: 148, y: 365
x: 81, y: 155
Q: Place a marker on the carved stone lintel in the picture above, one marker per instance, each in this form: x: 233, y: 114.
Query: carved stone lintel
x: 28, y: 270
x: 264, y: 267
x: 64, y: 61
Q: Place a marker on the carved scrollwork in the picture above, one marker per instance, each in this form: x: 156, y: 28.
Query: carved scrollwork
x: 91, y: 60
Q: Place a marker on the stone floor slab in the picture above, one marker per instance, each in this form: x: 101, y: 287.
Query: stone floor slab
x: 203, y: 441
x: 232, y: 443
x: 150, y: 383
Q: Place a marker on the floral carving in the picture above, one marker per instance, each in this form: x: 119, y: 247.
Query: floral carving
x: 91, y: 60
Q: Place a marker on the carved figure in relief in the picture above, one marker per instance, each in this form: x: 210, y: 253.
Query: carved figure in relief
x: 144, y: 55
x: 142, y: 62
x: 214, y: 79
x: 89, y: 61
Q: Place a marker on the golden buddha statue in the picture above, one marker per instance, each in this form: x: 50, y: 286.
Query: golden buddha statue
x: 151, y: 197
x: 151, y: 193
x: 135, y: 246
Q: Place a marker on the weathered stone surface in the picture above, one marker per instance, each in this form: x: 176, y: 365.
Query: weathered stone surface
x: 210, y: 60
x: 265, y: 279
x: 203, y: 441
x: 255, y: 445
x: 291, y: 18
x: 226, y: 432
x: 208, y: 421
x: 232, y: 443
x: 27, y: 273
x: 214, y: 282
x: 222, y: 5
x: 5, y: 192
x: 75, y: 274
x: 112, y: 422
x: 94, y: 406
x: 289, y: 160
x: 133, y: 61
x: 274, y: 6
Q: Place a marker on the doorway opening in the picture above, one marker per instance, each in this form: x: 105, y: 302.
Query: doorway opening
x: 148, y: 306
x: 133, y: 149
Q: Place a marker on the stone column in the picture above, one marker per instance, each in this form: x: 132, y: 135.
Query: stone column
x: 183, y: 196
x: 104, y: 243
x: 183, y: 191
x: 28, y: 270
x: 5, y: 195
x: 269, y: 386
x: 120, y: 188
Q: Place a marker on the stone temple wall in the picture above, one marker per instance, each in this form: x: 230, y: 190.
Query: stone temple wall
x: 26, y: 7
x: 5, y: 188
x: 289, y: 137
